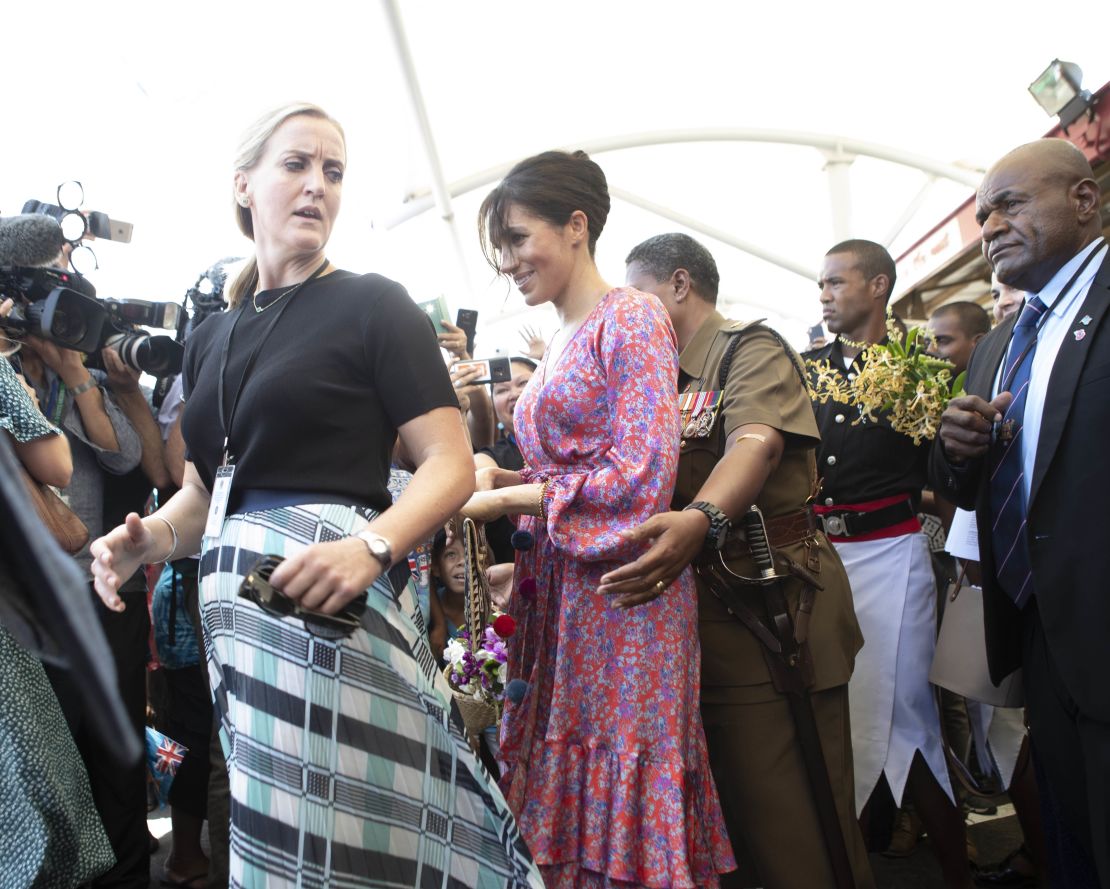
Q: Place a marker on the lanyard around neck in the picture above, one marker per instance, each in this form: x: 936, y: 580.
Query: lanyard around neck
x: 226, y: 419
x: 1014, y: 365
x: 56, y: 403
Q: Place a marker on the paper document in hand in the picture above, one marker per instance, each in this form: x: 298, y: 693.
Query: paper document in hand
x: 963, y: 539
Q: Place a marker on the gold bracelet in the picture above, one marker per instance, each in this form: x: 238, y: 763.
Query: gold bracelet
x: 544, y: 488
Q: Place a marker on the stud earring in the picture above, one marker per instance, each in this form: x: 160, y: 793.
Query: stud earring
x: 244, y: 200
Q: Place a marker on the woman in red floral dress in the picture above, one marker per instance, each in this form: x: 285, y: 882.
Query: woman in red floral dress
x: 602, y: 742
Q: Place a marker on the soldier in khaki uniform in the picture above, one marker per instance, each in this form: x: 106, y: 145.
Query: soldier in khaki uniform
x: 751, y: 440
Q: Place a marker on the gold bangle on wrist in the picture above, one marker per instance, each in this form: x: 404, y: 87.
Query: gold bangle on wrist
x: 544, y: 489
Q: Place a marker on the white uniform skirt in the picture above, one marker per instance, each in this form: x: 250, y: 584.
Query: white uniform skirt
x: 998, y: 733
x: 893, y: 709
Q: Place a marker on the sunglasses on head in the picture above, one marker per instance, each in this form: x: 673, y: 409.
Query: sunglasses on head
x: 256, y: 586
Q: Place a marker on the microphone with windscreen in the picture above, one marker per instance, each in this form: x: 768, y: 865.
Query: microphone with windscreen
x: 30, y: 240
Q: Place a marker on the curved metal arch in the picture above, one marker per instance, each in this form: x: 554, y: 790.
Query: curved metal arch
x: 839, y: 146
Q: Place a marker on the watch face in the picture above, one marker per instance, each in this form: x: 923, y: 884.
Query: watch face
x: 379, y: 548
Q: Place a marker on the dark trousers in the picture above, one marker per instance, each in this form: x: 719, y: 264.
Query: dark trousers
x: 119, y: 793
x: 766, y: 796
x: 188, y: 721
x: 1072, y: 756
x: 218, y: 790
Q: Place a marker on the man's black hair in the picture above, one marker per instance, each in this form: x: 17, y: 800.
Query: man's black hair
x: 661, y: 255
x: 871, y: 259
x: 971, y: 317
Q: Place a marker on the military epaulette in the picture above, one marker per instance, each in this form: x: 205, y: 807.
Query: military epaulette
x: 740, y: 326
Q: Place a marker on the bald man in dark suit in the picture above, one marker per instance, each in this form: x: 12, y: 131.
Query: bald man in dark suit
x: 1026, y: 448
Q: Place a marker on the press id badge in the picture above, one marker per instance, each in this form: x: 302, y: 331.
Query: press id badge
x: 217, y: 507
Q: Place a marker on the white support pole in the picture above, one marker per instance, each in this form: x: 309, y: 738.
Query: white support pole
x: 440, y: 190
x: 820, y: 141
x: 911, y: 210
x: 416, y: 99
x: 717, y: 234
x: 838, y: 167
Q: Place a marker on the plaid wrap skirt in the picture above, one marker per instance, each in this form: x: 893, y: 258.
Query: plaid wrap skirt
x: 346, y: 764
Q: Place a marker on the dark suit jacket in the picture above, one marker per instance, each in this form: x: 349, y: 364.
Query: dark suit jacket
x: 1069, y: 507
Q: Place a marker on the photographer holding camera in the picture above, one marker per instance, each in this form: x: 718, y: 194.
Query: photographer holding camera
x: 48, y: 814
x: 104, y: 444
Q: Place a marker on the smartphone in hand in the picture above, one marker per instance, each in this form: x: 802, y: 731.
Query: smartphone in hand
x: 494, y: 370
x: 467, y: 320
x: 436, y: 310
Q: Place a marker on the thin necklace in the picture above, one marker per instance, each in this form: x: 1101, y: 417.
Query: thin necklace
x: 260, y: 309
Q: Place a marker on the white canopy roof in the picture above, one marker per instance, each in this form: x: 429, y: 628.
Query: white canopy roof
x: 144, y: 104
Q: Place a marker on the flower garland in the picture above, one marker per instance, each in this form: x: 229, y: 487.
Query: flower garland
x: 481, y: 674
x: 897, y: 377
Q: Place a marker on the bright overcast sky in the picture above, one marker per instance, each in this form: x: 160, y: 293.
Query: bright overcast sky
x: 144, y: 104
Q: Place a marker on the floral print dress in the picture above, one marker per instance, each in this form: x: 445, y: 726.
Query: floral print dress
x: 605, y: 755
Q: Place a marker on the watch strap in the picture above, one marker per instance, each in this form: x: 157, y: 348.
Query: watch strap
x: 84, y: 387
x: 719, y: 523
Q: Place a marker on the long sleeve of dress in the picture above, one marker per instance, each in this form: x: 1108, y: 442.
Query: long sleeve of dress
x: 615, y: 452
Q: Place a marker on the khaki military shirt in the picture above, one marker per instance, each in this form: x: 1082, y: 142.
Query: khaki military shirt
x: 762, y: 386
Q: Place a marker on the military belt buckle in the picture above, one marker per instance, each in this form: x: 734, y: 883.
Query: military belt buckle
x: 835, y: 525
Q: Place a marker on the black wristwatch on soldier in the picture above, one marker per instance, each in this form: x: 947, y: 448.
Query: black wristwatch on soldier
x: 719, y: 524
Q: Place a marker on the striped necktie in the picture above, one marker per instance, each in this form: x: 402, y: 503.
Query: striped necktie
x: 1007, y: 484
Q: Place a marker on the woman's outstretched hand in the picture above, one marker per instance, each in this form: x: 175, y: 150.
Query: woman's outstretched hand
x: 483, y: 506
x: 117, y: 555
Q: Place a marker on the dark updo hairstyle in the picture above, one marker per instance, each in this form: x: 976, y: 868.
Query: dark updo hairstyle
x: 551, y: 186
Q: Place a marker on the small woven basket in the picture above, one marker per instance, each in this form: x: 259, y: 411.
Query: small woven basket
x: 478, y: 713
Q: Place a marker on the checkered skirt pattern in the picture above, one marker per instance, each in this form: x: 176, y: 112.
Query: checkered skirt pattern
x: 346, y: 766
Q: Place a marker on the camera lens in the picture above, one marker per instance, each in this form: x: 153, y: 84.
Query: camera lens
x: 68, y: 326
x: 155, y: 355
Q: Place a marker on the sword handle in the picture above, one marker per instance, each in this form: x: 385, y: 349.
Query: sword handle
x: 756, y: 533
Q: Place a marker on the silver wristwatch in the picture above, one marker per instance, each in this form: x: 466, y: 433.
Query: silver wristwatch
x: 379, y: 547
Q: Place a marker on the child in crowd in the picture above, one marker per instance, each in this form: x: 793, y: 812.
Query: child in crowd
x: 448, y: 601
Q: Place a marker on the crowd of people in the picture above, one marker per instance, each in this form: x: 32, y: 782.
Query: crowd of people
x: 724, y: 599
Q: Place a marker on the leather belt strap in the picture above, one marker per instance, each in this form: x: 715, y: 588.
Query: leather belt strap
x: 788, y: 660
x: 847, y: 523
x: 782, y: 531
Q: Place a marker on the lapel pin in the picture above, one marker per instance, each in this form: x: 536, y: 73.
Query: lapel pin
x: 1079, y: 334
x: 1085, y: 320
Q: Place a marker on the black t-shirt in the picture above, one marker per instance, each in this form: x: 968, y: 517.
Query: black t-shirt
x: 505, y: 453
x: 351, y: 359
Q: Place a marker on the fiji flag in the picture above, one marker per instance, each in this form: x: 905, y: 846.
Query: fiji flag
x: 163, y: 756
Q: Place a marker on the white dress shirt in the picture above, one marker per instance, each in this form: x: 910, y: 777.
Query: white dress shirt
x: 1058, y: 330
